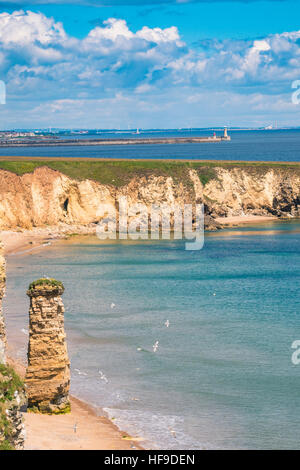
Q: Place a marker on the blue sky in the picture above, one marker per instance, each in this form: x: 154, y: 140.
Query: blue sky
x: 120, y: 63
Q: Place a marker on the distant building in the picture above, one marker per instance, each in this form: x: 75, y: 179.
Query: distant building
x: 226, y: 136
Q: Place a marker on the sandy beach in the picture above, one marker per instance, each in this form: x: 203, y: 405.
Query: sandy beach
x: 245, y: 219
x: 23, y: 240
x: 83, y: 428
x: 18, y: 241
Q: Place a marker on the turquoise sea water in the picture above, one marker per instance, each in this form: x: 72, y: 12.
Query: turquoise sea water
x: 222, y: 376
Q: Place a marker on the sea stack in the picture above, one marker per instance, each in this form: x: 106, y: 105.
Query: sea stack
x: 2, y: 291
x: 48, y: 370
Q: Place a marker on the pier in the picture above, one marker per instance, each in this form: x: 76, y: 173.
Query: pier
x: 52, y: 141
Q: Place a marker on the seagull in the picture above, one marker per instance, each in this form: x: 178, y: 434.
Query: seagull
x: 155, y: 346
x: 167, y: 323
x: 112, y: 305
x: 103, y: 377
x: 79, y: 372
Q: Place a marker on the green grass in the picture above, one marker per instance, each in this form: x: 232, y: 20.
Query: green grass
x: 6, y: 445
x: 45, y: 409
x: 119, y: 173
x: 45, y: 282
x: 10, y: 382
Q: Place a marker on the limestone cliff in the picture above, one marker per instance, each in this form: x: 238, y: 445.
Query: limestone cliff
x: 2, y: 290
x: 12, y: 397
x: 50, y: 197
x: 48, y: 371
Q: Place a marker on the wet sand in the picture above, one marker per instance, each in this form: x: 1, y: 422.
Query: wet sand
x: 244, y: 219
x: 18, y: 241
x: 82, y: 429
x: 36, y: 238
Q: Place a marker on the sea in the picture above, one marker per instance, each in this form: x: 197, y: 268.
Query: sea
x: 185, y: 349
x: 253, y: 145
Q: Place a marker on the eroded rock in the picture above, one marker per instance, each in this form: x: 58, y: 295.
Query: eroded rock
x: 12, y: 398
x: 48, y: 371
x: 2, y: 291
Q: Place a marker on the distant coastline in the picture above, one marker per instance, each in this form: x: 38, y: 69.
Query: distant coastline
x: 84, y: 142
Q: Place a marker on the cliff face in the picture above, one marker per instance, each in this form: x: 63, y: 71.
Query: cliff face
x: 2, y: 291
x: 263, y: 192
x: 49, y: 197
x: 48, y: 371
x: 12, y: 397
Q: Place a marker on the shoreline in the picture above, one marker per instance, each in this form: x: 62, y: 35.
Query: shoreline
x: 19, y: 241
x: 239, y: 220
x: 82, y: 429
x: 113, y: 141
x: 86, y: 427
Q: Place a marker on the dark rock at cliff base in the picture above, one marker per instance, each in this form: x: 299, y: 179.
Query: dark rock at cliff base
x: 210, y: 224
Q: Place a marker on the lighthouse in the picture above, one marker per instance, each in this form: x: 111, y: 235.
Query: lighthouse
x: 226, y: 136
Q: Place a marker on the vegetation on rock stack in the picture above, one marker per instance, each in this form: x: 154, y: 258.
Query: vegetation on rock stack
x: 46, y: 282
x: 11, y: 387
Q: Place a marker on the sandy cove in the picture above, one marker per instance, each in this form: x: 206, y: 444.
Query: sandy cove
x: 82, y: 429
x: 244, y: 219
x: 23, y: 240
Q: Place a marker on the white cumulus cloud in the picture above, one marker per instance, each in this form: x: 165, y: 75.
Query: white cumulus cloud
x: 41, y: 63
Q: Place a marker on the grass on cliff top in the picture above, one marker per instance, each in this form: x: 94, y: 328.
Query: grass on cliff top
x: 45, y: 282
x: 120, y: 172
